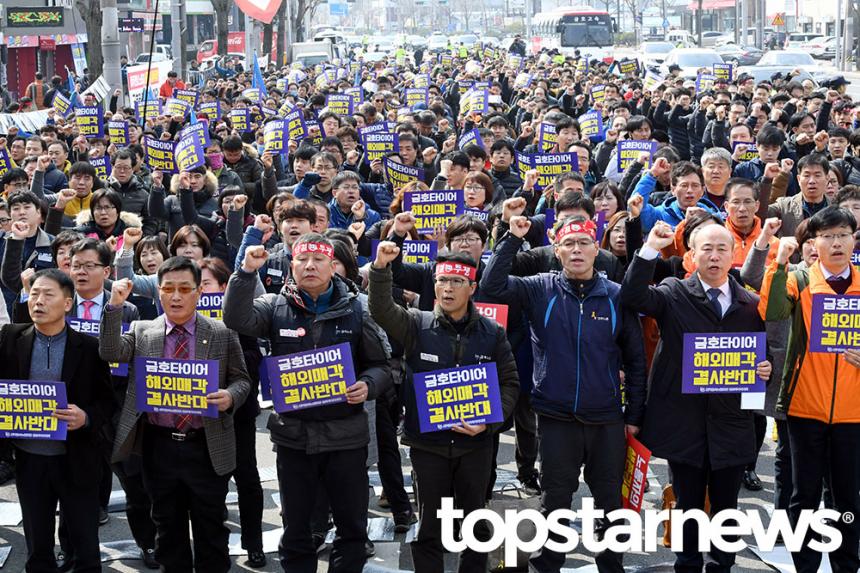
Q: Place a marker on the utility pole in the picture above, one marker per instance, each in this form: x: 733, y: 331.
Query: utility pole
x: 177, y: 23
x: 759, y: 31
x: 111, y: 47
x: 699, y: 24
x: 737, y: 20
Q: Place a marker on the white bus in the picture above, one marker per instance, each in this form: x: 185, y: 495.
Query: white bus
x: 569, y: 29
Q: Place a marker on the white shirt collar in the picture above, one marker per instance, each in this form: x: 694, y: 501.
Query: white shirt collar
x: 725, y: 290
x: 846, y: 272
x: 98, y: 299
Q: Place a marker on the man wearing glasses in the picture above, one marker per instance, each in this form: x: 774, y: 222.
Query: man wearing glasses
x: 187, y: 459
x: 453, y: 334
x: 134, y: 193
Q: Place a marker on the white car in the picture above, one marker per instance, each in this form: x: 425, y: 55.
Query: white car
x: 653, y: 53
x: 791, y: 58
x: 816, y: 46
x: 437, y: 43
x: 796, y: 39
x: 690, y: 60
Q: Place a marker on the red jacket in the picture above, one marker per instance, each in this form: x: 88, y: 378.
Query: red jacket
x: 166, y: 90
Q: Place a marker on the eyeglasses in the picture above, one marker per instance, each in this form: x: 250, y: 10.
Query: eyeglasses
x: 828, y: 238
x: 473, y: 188
x: 466, y: 240
x: 89, y: 267
x: 183, y: 289
x: 349, y: 188
x: 122, y: 168
x: 454, y: 282
x: 105, y: 208
x: 744, y: 203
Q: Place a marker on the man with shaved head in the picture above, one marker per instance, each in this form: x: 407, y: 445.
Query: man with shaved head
x: 707, y: 438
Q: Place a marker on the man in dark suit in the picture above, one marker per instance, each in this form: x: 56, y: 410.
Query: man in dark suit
x: 65, y: 471
x: 187, y: 460
x: 707, y: 439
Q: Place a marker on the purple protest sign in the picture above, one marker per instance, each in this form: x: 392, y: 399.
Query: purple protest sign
x: 211, y: 305
x: 855, y: 258
x: 378, y: 145
x: 312, y: 378
x: 834, y: 325
x: 339, y: 104
x: 276, y: 136
x: 118, y: 133
x: 470, y: 393
x: 548, y: 223
x: 629, y: 149
x: 471, y: 137
x: 198, y: 130
x: 397, y: 175
x: 551, y: 165
x: 241, y: 119
x: 61, y: 104
x: 102, y: 165
x: 92, y: 328
x: 159, y: 154
x: 591, y: 124
x: 189, y: 153
x: 175, y: 106
x: 477, y: 214
x: 601, y: 225
x: 90, y: 121
x: 547, y: 136
x: 5, y: 161
x: 434, y: 209
x: 171, y: 386
x: 414, y: 96
x: 722, y: 362
x: 415, y: 252
x: 212, y: 109
x: 189, y: 96
x: 27, y: 407
x: 151, y: 111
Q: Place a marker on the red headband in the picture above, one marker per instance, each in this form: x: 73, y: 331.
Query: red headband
x: 301, y: 248
x: 458, y: 269
x: 588, y: 227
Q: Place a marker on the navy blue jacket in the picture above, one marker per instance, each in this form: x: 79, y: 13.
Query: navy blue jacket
x: 579, y: 346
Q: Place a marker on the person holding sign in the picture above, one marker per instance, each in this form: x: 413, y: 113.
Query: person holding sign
x: 577, y: 322
x: 187, y: 458
x: 459, y: 458
x: 818, y: 391
x: 320, y: 442
x: 65, y: 470
x: 707, y: 438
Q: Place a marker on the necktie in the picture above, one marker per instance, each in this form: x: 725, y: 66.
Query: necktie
x: 180, y: 352
x: 88, y: 309
x: 714, y: 296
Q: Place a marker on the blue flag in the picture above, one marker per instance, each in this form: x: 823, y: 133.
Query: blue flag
x: 73, y: 90
x: 257, y: 80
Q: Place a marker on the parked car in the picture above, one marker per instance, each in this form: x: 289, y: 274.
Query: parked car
x: 791, y: 59
x: 766, y: 73
x: 795, y: 39
x: 709, y: 38
x: 437, y: 43
x: 740, y: 55
x: 690, y: 60
x: 468, y: 40
x: 652, y: 54
x: 816, y: 46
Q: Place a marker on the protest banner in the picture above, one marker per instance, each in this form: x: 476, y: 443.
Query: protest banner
x: 414, y: 252
x: 635, y: 474
x: 414, y: 96
x: 582, y: 65
x: 421, y: 81
x: 211, y: 109
x: 241, y: 119
x: 855, y: 257
x: 495, y: 312
x: 378, y: 145
x: 276, y: 136
x: 628, y: 67
x: 159, y: 154
x: 446, y: 60
x: 172, y: 386
x: 722, y: 362
x: 102, y: 165
x: 470, y: 393
x: 198, y: 130
x: 479, y: 101
x: 750, y: 153
x: 151, y: 111
x: 479, y: 214
x: 834, y: 323
x: 92, y: 327
x: 601, y: 225
x: 90, y: 121
x: 211, y: 305
x: 356, y: 94
x: 252, y: 94
x: 464, y: 86
x: 5, y: 161
x: 549, y: 223
x: 591, y: 124
x: 548, y: 165
x: 547, y: 136
x: 397, y: 175
x: 61, y: 104
x: 173, y: 106
x: 514, y: 61
x: 117, y: 131
x: 434, y: 208
x: 297, y: 129
x: 27, y: 408
x: 628, y: 151
x: 724, y: 72
x: 189, y: 153
x: 705, y: 82
x: 188, y: 96
x: 523, y: 81
x: 310, y: 378
x: 652, y: 81
x: 471, y: 137
x: 315, y: 135
x: 339, y: 104
x: 598, y: 92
